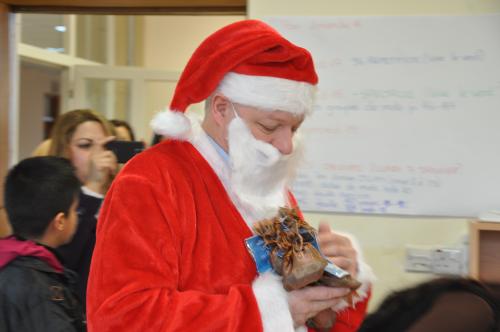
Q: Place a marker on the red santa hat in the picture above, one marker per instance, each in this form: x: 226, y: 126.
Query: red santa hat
x: 248, y: 62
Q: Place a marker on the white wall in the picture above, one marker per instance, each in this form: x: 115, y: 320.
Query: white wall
x: 36, y: 81
x: 383, y: 238
x: 169, y: 41
x: 260, y: 8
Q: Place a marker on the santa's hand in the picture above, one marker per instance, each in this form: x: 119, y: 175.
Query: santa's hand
x: 323, y: 321
x: 338, y: 249
x: 308, y: 302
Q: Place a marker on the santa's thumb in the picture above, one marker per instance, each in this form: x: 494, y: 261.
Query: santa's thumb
x: 324, y: 228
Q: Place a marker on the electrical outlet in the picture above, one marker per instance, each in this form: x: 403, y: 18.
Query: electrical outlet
x: 450, y: 261
x: 418, y: 259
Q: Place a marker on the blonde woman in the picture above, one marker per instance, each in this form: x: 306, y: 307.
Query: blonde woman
x: 80, y: 136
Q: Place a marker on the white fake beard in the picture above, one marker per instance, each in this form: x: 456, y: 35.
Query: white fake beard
x: 260, y: 174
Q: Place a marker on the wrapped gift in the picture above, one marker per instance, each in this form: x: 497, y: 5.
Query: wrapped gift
x: 287, y: 244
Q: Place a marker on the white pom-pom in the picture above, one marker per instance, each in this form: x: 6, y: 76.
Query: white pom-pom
x: 171, y: 124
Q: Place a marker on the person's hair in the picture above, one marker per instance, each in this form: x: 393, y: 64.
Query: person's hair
x: 42, y: 149
x: 36, y: 190
x: 402, y: 309
x: 157, y: 138
x: 208, y: 101
x: 65, y: 127
x: 121, y: 123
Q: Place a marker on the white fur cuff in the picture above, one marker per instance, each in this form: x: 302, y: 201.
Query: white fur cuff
x: 365, y: 275
x: 273, y: 303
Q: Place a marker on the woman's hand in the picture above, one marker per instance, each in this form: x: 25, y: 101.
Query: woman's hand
x: 103, y: 167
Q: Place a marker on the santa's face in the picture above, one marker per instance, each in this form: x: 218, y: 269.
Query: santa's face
x: 264, y: 154
x: 274, y: 127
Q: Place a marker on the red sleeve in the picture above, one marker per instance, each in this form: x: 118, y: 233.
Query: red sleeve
x: 350, y: 319
x: 136, y: 267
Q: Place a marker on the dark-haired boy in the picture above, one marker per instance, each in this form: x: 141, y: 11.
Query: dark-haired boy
x: 41, y: 199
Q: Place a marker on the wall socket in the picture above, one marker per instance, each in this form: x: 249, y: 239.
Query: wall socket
x: 437, y: 260
x: 418, y: 259
x: 449, y: 261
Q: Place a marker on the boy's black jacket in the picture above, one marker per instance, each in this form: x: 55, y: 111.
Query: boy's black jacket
x: 36, y: 295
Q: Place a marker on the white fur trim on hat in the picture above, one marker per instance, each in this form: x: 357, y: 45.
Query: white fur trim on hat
x: 268, y: 93
x: 365, y: 275
x: 272, y: 300
x: 171, y: 124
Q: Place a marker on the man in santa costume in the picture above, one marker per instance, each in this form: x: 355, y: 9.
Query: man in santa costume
x: 170, y: 252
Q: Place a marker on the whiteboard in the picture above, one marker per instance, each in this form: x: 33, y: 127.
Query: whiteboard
x: 407, y: 119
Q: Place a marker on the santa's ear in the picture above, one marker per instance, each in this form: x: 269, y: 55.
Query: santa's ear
x: 220, y: 109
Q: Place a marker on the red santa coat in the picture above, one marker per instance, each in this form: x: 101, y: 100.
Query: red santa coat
x: 170, y: 252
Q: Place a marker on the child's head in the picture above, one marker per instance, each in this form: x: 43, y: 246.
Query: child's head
x: 41, y: 198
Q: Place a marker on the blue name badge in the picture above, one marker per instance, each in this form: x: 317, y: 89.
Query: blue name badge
x: 260, y: 253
